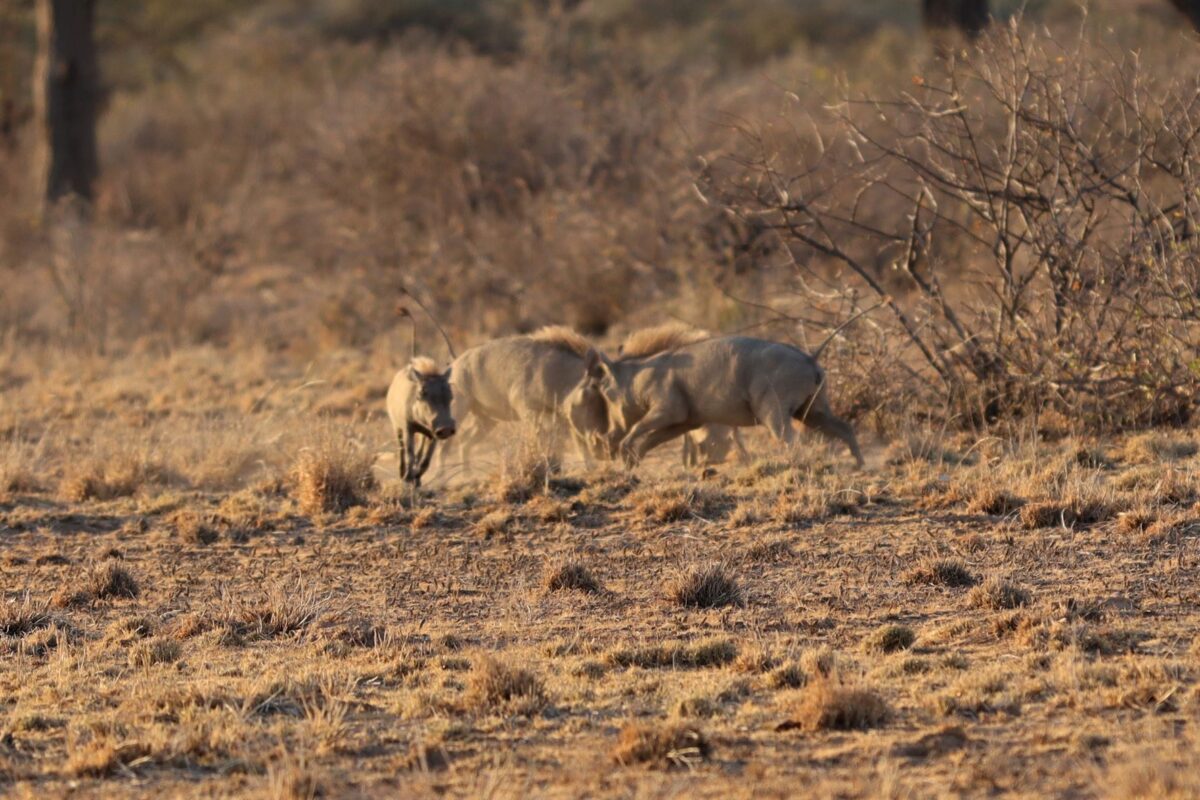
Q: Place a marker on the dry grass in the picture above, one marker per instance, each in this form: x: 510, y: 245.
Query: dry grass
x: 570, y: 575
x: 156, y: 651
x: 705, y: 587
x: 889, y: 639
x: 676, y: 655
x: 331, y: 476
x: 941, y: 572
x: 19, y: 618
x: 494, y: 685
x: 828, y: 704
x: 996, y: 594
x: 193, y: 377
x: 660, y: 745
x: 108, y: 580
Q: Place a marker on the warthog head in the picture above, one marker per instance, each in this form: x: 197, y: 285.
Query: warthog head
x: 429, y: 403
x: 600, y: 377
x: 586, y: 411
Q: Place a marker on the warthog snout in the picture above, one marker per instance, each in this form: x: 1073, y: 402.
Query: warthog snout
x: 444, y: 432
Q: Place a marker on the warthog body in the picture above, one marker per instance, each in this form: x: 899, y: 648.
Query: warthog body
x: 418, y: 404
x: 733, y: 380
x: 711, y: 445
x: 525, y: 379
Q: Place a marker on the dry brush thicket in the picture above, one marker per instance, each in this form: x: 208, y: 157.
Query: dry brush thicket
x: 211, y: 581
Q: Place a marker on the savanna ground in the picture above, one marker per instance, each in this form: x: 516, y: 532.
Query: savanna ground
x: 210, y: 583
x: 212, y: 586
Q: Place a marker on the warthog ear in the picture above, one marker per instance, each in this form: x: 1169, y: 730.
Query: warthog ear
x: 446, y: 374
x: 593, y: 364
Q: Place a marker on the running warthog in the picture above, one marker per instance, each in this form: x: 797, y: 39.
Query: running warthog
x: 418, y: 403
x: 526, y: 379
x: 711, y: 445
x: 732, y: 380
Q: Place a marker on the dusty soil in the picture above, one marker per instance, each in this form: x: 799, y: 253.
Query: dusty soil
x: 205, y: 594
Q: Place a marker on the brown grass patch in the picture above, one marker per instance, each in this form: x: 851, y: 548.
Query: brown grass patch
x: 194, y: 528
x: 284, y: 608
x: 827, y: 704
x: 105, y: 581
x: 676, y: 655
x: 155, y: 651
x: 103, y: 478
x: 705, y: 587
x: 495, y: 523
x: 996, y: 594
x: 941, y: 572
x: 332, y: 476
x: 994, y: 502
x: 889, y: 639
x: 495, y: 685
x: 570, y: 575
x: 663, y: 746
x: 18, y: 618
x: 1151, y: 447
x: 1052, y: 513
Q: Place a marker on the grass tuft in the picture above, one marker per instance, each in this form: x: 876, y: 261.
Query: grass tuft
x: 571, y: 575
x: 495, y: 685
x: 332, y: 476
x: 826, y: 704
x: 996, y: 594
x: 889, y: 639
x: 662, y: 746
x: 941, y: 572
x: 705, y: 587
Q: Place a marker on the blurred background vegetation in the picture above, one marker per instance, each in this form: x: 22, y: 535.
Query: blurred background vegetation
x: 282, y: 171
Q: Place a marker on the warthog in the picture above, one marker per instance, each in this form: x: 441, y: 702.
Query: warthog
x: 527, y: 379
x: 731, y: 380
x: 418, y: 403
x: 711, y: 445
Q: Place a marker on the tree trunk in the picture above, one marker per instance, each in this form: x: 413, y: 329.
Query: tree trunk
x: 969, y: 16
x: 1190, y: 9
x: 66, y: 84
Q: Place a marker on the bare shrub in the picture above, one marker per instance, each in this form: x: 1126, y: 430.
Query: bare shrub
x: 705, y: 587
x: 1087, y: 294
x: 660, y: 745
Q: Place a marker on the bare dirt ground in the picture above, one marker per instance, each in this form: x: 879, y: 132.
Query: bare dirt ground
x: 204, y: 594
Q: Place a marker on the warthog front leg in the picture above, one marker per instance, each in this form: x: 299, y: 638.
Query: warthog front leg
x: 428, y: 446
x: 402, y: 457
x: 651, y: 431
x: 415, y: 457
